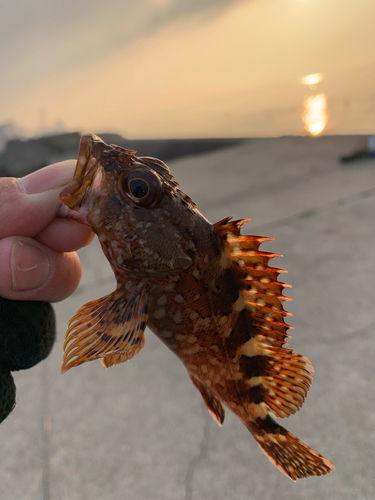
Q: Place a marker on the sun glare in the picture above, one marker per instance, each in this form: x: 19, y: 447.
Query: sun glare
x: 314, y: 114
x: 312, y: 79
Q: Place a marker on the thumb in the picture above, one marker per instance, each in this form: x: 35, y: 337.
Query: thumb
x: 29, y: 204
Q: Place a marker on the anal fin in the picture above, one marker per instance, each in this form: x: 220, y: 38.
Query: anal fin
x: 213, y: 404
x: 110, y: 328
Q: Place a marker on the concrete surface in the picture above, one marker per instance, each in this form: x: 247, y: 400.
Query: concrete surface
x: 140, y: 431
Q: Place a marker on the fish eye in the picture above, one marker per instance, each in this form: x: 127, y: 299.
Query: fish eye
x: 141, y: 187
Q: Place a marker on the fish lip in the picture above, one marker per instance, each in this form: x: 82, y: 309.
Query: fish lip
x: 90, y: 153
x: 81, y: 212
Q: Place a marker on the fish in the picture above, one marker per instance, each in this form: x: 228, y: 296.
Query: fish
x: 207, y: 291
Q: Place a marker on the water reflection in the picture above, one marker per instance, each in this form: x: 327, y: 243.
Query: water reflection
x: 314, y: 114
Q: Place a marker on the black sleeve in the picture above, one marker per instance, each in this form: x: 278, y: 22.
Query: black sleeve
x: 27, y: 334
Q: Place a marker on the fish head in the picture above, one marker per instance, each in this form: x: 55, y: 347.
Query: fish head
x: 143, y: 221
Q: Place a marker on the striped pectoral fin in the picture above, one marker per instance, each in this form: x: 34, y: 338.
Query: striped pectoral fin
x: 213, y: 404
x: 110, y: 329
x: 288, y: 453
x: 116, y: 359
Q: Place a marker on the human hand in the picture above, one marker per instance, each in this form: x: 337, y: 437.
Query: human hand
x: 37, y: 250
x: 37, y: 263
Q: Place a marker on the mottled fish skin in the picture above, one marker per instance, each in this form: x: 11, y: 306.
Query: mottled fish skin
x: 205, y: 290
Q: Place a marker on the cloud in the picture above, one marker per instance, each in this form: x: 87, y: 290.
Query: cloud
x: 40, y: 38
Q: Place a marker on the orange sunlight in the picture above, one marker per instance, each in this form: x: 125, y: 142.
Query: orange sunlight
x: 235, y: 74
x: 314, y: 115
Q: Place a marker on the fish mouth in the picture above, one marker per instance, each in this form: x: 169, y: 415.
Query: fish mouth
x: 90, y: 153
x: 77, y: 196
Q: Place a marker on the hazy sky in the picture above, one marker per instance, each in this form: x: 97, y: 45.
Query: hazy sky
x: 179, y: 68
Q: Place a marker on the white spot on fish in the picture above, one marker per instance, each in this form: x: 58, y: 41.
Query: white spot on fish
x: 192, y: 350
x: 177, y: 318
x: 162, y: 300
x: 180, y: 337
x: 255, y: 381
x: 201, y: 324
x: 196, y: 274
x: 197, y: 297
x: 120, y: 260
x: 224, y: 261
x: 193, y: 316
x: 251, y: 348
x: 159, y: 313
x: 239, y: 304
x: 192, y: 339
x: 179, y: 299
x: 227, y: 333
x: 223, y: 320
x: 166, y: 334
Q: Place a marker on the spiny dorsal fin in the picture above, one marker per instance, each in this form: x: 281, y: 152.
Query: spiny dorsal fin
x: 111, y: 328
x: 283, y: 378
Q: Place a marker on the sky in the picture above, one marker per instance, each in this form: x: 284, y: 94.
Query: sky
x: 186, y: 68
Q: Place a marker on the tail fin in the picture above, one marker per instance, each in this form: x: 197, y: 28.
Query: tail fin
x: 289, y: 454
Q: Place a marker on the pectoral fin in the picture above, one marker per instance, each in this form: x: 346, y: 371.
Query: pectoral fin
x: 110, y: 329
x: 116, y: 359
x: 213, y: 404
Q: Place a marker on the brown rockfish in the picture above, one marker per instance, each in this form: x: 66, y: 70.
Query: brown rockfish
x: 204, y: 289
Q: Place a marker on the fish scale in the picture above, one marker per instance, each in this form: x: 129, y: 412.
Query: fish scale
x: 207, y: 291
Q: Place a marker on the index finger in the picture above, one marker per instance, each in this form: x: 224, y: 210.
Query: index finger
x: 29, y: 204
